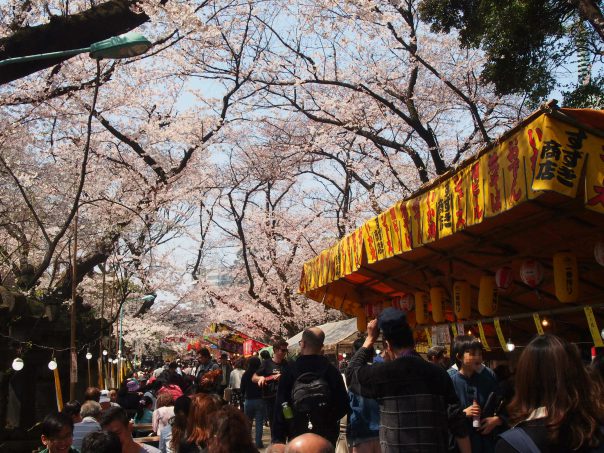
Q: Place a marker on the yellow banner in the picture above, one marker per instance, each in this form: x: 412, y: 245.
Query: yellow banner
x: 593, y: 327
x: 454, y: 329
x: 459, y: 201
x: 403, y: 209
x: 475, y: 194
x: 493, y: 182
x: 428, y: 336
x: 560, y: 162
x: 594, y: 175
x: 483, y: 338
x: 502, y: 341
x: 444, y: 209
x: 58, y: 392
x: 538, y: 323
x: 415, y: 215
x: 514, y: 153
x: 429, y: 218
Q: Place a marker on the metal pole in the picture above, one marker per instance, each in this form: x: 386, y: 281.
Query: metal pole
x: 73, y: 375
x: 103, y: 271
x: 89, y: 380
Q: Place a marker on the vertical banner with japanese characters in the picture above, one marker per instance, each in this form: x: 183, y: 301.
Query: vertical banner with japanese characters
x: 444, y: 209
x: 560, y: 161
x: 514, y: 151
x: 385, y: 225
x: 474, y: 183
x: 428, y: 210
x: 404, y: 210
x: 374, y: 242
x: 533, y: 134
x: 494, y: 194
x: 594, y: 174
x: 415, y: 214
x: 459, y: 201
x: 428, y: 336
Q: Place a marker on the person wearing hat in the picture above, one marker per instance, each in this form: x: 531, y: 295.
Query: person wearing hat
x: 129, y: 397
x: 418, y: 404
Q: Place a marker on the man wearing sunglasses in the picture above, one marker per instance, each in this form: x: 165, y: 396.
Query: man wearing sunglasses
x: 268, y: 375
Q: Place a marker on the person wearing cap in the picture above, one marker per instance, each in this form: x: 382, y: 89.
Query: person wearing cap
x: 129, y: 397
x: 327, y: 421
x: 438, y: 356
x: 418, y: 404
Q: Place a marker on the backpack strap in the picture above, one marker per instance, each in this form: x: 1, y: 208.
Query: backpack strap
x: 520, y: 440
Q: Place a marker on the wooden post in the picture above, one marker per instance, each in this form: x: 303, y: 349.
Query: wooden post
x: 73, y: 374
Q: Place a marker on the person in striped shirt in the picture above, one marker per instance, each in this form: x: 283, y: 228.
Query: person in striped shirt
x: 90, y: 413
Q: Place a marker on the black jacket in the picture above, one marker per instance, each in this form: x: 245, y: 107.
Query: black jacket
x: 417, y: 401
x: 329, y: 426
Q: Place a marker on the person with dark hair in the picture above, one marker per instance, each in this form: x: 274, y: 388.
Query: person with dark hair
x: 267, y: 377
x: 92, y: 394
x: 314, y: 390
x: 91, y: 412
x: 144, y: 414
x: 226, y: 368
x: 438, y: 356
x: 556, y: 406
x: 116, y: 420
x: 57, y: 433
x: 254, y: 405
x: 171, y: 436
x: 418, y: 404
x: 129, y: 396
x: 230, y: 432
x: 204, y: 378
x: 101, y: 442
x: 363, y: 424
x: 265, y: 355
x: 73, y: 408
x: 475, y: 385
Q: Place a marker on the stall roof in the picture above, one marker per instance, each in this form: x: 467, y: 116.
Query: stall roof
x: 335, y: 333
x: 537, y: 190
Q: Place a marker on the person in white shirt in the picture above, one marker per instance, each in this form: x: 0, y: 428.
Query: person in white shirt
x: 235, y: 384
x: 163, y: 413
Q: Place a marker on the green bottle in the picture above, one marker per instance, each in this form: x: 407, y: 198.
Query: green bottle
x: 288, y: 412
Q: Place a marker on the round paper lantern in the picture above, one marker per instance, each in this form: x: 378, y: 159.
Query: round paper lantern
x: 487, y: 296
x: 421, y: 307
x: 566, y: 277
x: 599, y: 252
x: 531, y: 273
x: 462, y: 295
x: 437, y: 298
x: 504, y: 278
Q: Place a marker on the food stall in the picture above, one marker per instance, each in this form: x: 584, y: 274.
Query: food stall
x: 508, y: 244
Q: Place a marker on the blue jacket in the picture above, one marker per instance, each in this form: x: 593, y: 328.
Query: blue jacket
x: 364, y: 421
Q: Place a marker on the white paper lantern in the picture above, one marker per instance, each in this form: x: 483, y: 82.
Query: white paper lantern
x: 531, y: 273
x: 18, y: 364
x: 52, y: 365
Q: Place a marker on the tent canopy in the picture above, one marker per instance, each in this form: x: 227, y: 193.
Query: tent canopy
x: 536, y: 191
x: 336, y: 333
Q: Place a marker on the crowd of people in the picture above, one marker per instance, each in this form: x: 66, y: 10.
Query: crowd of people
x: 395, y: 401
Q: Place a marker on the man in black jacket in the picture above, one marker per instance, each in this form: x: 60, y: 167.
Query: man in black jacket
x: 418, y: 404
x: 325, y: 421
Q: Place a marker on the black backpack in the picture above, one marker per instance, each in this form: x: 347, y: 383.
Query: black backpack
x: 310, y: 392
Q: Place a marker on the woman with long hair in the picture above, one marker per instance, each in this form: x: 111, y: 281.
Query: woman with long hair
x: 254, y: 405
x: 171, y: 436
x: 203, y: 407
x: 556, y: 404
x: 231, y: 432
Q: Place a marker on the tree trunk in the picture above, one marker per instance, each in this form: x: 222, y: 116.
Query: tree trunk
x: 590, y: 11
x: 75, y: 31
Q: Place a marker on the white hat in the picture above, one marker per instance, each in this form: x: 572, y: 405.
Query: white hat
x: 104, y: 397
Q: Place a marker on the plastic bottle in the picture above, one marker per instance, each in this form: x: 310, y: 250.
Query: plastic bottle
x: 476, y: 419
x: 288, y: 412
